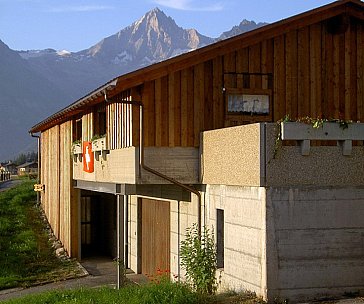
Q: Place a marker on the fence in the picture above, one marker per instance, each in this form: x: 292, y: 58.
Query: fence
x: 4, y: 176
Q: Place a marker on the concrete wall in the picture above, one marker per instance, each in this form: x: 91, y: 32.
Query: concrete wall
x: 244, y: 237
x: 291, y: 243
x: 325, y: 165
x: 250, y: 155
x: 315, y: 240
x: 133, y: 233
x: 122, y: 166
x: 183, y: 215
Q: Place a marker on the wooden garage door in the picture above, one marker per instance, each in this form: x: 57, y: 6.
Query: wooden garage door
x: 155, y: 236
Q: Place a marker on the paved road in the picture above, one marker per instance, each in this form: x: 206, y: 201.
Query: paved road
x: 9, y: 184
x: 98, y: 272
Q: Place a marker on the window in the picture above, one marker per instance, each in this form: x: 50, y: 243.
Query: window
x: 248, y: 103
x: 100, y: 120
x: 220, y: 237
x: 247, y: 106
x: 77, y: 129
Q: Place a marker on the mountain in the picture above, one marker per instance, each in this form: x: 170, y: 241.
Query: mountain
x: 244, y: 26
x: 26, y: 97
x: 153, y: 38
x: 36, y: 83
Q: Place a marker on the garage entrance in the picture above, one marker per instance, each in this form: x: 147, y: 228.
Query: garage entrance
x: 155, y: 236
x: 98, y: 224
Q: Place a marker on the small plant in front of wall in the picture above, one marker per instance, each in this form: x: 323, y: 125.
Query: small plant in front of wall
x: 198, y: 258
x: 77, y: 142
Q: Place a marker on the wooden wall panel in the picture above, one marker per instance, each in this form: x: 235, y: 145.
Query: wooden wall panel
x: 267, y: 63
x: 303, y: 81
x: 312, y: 71
x: 291, y: 74
x: 184, y: 108
x: 58, y: 200
x: 315, y: 70
x: 165, y: 111
x: 229, y: 68
x: 190, y: 107
x: 360, y: 72
x: 255, y: 63
x: 207, y: 117
x: 242, y: 67
x: 279, y: 91
x: 198, y: 103
x: 217, y: 97
x: 158, y: 112
x: 149, y: 114
x: 135, y: 116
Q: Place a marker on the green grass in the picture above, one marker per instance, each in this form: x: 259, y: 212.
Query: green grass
x: 26, y: 256
x: 163, y: 293
x: 153, y: 293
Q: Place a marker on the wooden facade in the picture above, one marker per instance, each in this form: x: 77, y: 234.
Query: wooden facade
x: 60, y: 199
x: 315, y: 70
x: 309, y: 65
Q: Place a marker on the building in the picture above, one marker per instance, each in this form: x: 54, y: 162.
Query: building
x: 10, y: 167
x: 28, y: 168
x: 192, y: 140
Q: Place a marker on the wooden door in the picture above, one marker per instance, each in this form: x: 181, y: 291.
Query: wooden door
x: 155, y: 236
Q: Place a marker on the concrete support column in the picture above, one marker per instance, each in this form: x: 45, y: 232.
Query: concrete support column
x: 120, y: 241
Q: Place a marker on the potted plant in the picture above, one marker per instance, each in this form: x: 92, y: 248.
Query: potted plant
x: 77, y: 147
x: 98, y: 143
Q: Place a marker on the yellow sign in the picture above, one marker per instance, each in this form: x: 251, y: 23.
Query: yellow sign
x: 38, y: 187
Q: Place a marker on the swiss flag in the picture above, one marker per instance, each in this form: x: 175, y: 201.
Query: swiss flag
x: 88, y: 157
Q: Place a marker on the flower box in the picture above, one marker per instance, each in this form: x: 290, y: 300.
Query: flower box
x: 344, y: 134
x: 77, y: 151
x: 99, y: 144
x: 77, y: 148
x: 326, y: 131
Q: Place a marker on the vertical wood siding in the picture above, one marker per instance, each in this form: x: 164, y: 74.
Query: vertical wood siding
x: 119, y: 122
x: 311, y: 72
x: 59, y: 200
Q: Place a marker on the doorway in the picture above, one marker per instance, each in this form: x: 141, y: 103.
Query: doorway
x: 98, y: 224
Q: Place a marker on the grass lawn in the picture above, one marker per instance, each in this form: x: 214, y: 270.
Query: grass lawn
x: 26, y: 256
x: 162, y: 293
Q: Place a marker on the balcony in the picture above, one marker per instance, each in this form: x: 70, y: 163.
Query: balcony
x: 122, y: 166
x: 254, y: 155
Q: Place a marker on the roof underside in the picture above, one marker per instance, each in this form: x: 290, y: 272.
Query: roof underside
x: 354, y: 8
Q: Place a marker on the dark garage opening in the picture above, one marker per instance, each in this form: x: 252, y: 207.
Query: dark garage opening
x: 98, y: 224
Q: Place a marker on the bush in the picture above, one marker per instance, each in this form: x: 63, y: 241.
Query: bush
x: 198, y: 258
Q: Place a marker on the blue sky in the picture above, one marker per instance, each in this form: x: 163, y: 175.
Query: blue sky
x: 78, y: 24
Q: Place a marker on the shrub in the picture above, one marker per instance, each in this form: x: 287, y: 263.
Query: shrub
x: 198, y: 258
